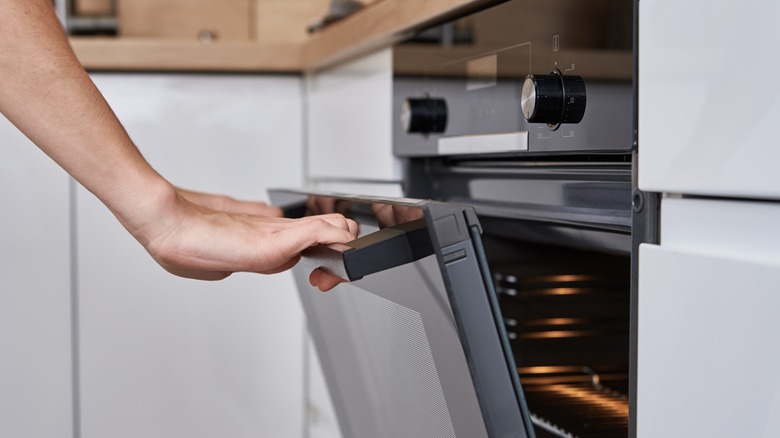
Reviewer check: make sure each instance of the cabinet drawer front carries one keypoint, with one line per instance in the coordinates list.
(226, 20)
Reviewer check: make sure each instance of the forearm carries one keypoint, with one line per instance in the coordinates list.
(46, 93)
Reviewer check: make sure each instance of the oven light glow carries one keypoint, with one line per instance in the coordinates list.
(549, 369)
(554, 321)
(562, 291)
(617, 406)
(558, 334)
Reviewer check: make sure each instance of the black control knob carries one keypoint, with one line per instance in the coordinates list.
(553, 99)
(424, 115)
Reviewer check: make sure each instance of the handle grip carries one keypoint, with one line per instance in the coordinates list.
(376, 252)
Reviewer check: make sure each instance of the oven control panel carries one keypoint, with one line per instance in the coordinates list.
(523, 76)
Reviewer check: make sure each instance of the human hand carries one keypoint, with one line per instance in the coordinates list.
(387, 215)
(315, 205)
(193, 241)
(228, 204)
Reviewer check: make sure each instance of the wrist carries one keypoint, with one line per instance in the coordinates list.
(146, 210)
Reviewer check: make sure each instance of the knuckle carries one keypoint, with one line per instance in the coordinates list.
(222, 203)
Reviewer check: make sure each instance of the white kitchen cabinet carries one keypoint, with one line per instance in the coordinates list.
(349, 121)
(708, 105)
(168, 357)
(709, 296)
(35, 292)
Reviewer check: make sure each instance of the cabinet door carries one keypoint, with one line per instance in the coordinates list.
(35, 292)
(709, 300)
(708, 106)
(168, 357)
(349, 125)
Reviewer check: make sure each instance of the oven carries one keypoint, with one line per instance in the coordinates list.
(499, 297)
(476, 317)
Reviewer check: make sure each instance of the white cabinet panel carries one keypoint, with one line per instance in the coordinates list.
(708, 350)
(168, 357)
(708, 106)
(35, 310)
(349, 132)
(709, 297)
(735, 229)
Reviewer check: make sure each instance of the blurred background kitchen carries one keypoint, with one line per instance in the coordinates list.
(238, 96)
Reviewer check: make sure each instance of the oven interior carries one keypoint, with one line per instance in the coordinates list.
(557, 233)
(566, 312)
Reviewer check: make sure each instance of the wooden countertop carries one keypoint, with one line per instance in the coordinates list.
(379, 24)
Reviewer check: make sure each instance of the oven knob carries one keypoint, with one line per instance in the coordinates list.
(553, 99)
(424, 115)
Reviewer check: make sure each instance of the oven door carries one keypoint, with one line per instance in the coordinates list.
(414, 345)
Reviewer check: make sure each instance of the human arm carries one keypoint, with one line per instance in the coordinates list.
(229, 204)
(46, 93)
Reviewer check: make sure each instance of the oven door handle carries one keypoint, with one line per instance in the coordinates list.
(376, 252)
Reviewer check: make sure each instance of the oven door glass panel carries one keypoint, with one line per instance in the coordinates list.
(417, 349)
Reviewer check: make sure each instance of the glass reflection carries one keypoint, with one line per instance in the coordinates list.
(374, 215)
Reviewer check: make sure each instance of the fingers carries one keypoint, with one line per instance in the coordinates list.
(384, 215)
(390, 215)
(324, 281)
(326, 229)
(352, 227)
(313, 230)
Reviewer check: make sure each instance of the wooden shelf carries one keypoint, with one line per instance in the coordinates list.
(141, 54)
(378, 25)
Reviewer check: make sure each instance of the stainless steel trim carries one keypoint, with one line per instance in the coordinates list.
(480, 144)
